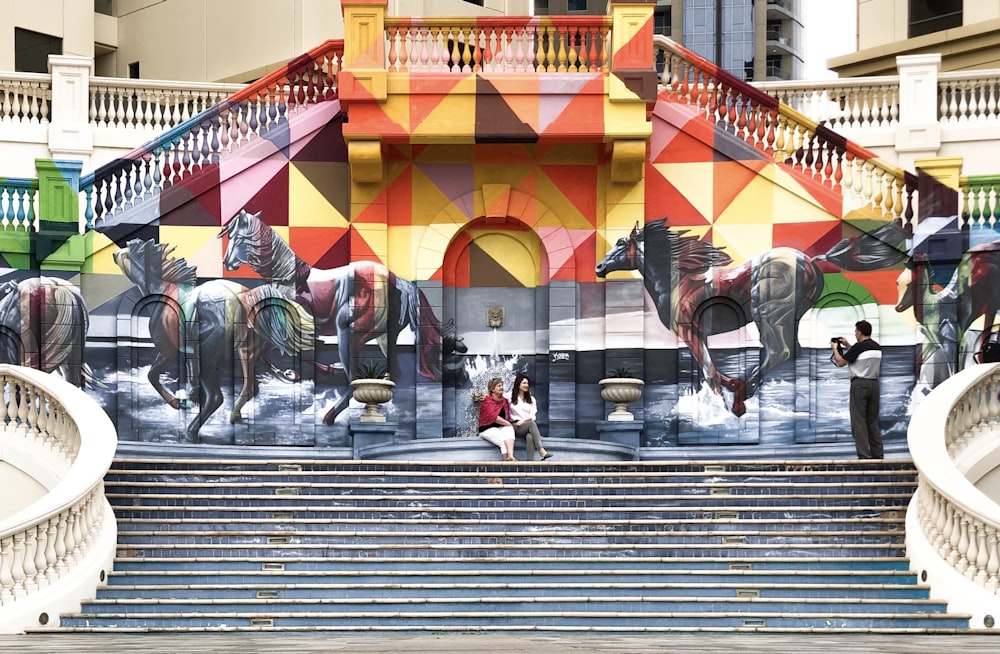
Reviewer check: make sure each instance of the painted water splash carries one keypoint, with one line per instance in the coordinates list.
(706, 408)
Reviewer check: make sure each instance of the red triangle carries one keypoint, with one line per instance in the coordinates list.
(811, 238)
(400, 194)
(337, 255)
(584, 109)
(374, 211)
(433, 90)
(578, 184)
(360, 250)
(311, 243)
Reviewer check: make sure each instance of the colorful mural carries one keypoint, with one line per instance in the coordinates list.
(478, 230)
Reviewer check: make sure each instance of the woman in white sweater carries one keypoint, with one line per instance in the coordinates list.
(523, 410)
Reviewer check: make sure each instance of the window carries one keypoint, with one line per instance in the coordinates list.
(928, 16)
(475, 2)
(133, 70)
(576, 5)
(661, 21)
(105, 7)
(32, 50)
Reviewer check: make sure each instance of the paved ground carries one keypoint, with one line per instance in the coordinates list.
(470, 644)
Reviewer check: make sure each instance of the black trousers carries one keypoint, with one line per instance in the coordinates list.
(864, 418)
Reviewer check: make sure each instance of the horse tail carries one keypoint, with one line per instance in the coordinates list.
(279, 321)
(428, 337)
(876, 250)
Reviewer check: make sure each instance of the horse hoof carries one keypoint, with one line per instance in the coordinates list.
(329, 418)
(235, 417)
(175, 403)
(739, 409)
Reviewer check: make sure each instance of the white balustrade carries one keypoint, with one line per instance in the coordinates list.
(155, 106)
(57, 550)
(953, 528)
(25, 98)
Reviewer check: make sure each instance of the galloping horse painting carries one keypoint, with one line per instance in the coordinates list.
(947, 312)
(45, 321)
(221, 316)
(684, 274)
(357, 302)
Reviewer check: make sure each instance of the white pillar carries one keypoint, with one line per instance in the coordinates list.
(70, 133)
(918, 134)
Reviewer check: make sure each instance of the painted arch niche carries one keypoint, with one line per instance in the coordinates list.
(495, 279)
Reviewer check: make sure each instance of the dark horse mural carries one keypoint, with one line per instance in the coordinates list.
(946, 312)
(45, 321)
(357, 302)
(221, 316)
(682, 274)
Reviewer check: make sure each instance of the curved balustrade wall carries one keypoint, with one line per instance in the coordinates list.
(54, 552)
(952, 528)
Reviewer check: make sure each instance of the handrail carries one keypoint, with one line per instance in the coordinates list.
(52, 550)
(199, 141)
(851, 103)
(18, 204)
(786, 135)
(959, 526)
(979, 198)
(539, 44)
(116, 103)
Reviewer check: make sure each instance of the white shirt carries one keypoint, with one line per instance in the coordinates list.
(523, 410)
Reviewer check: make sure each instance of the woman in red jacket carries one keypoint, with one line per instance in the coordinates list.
(494, 419)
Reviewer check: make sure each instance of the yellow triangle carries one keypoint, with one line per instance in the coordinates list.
(694, 181)
(307, 207)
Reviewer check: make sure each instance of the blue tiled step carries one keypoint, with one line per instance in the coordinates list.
(444, 537)
(834, 580)
(324, 565)
(550, 547)
(484, 589)
(637, 527)
(445, 606)
(618, 619)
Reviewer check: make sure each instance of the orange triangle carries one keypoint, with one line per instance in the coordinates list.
(432, 91)
(730, 178)
(400, 194)
(664, 200)
(360, 250)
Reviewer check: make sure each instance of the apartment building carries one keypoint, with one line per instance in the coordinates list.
(965, 32)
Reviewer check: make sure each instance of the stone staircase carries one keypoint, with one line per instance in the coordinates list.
(246, 545)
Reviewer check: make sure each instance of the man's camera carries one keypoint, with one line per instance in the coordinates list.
(834, 340)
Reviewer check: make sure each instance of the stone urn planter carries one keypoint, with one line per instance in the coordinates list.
(371, 393)
(621, 391)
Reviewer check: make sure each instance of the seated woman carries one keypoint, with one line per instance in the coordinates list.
(494, 419)
(523, 410)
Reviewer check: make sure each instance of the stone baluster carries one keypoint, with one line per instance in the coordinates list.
(17, 566)
(6, 570)
(30, 546)
(60, 545)
(51, 549)
(982, 557)
(41, 564)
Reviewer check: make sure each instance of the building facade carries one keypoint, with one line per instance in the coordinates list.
(966, 33)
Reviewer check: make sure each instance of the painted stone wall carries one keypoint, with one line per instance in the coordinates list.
(236, 306)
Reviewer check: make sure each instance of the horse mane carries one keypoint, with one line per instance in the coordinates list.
(267, 253)
(691, 255)
(151, 259)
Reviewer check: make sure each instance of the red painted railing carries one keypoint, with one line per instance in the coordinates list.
(186, 149)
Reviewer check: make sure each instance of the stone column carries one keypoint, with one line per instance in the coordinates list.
(918, 133)
(70, 132)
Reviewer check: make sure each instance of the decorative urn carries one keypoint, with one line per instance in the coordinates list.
(621, 388)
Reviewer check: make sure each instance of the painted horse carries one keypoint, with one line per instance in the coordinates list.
(357, 302)
(220, 315)
(46, 322)
(946, 313)
(682, 274)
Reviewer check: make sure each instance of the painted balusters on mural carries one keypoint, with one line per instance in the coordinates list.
(200, 140)
(18, 203)
(426, 45)
(980, 201)
(787, 136)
